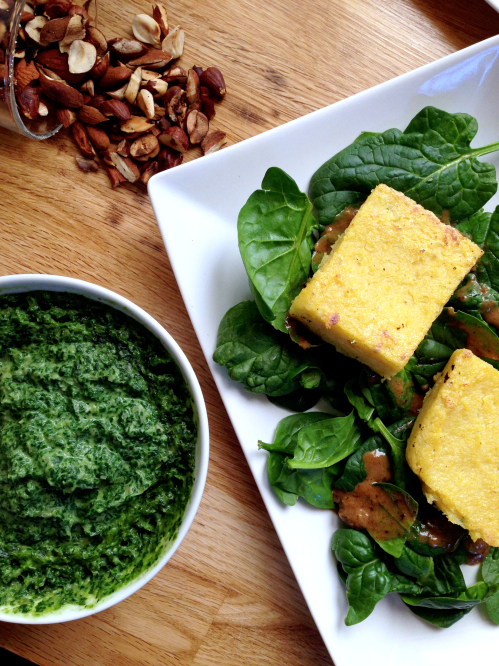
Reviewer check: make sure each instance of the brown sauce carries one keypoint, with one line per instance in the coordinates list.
(292, 326)
(404, 391)
(436, 531)
(332, 232)
(490, 312)
(476, 550)
(370, 507)
(475, 340)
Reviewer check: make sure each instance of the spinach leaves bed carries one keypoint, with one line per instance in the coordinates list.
(317, 456)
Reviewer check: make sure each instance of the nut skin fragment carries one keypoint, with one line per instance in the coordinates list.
(145, 102)
(146, 30)
(160, 15)
(115, 176)
(114, 107)
(197, 126)
(54, 31)
(66, 117)
(176, 74)
(115, 78)
(88, 88)
(175, 138)
(81, 137)
(96, 37)
(175, 105)
(101, 66)
(76, 10)
(58, 63)
(174, 42)
(153, 59)
(86, 164)
(213, 142)
(81, 57)
(29, 102)
(136, 124)
(123, 148)
(144, 145)
(24, 74)
(118, 94)
(150, 170)
(126, 167)
(75, 30)
(168, 158)
(61, 92)
(55, 9)
(98, 137)
(127, 49)
(213, 80)
(157, 88)
(34, 28)
(90, 115)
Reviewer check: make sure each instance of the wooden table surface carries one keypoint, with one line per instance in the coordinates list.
(228, 596)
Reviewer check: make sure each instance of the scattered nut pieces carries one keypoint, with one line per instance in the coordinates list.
(160, 15)
(146, 30)
(145, 102)
(86, 164)
(174, 42)
(129, 108)
(197, 126)
(81, 57)
(34, 28)
(213, 142)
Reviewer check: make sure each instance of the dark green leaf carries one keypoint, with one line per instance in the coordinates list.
(357, 399)
(404, 585)
(471, 597)
(313, 485)
(397, 447)
(431, 162)
(492, 606)
(286, 435)
(262, 359)
(440, 618)
(355, 471)
(368, 578)
(325, 443)
(275, 240)
(274, 469)
(395, 546)
(297, 401)
(490, 567)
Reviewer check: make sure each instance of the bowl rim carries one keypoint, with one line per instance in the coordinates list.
(10, 284)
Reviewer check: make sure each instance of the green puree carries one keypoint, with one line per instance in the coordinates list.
(96, 452)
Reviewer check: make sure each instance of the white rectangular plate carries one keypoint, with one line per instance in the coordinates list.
(196, 206)
(494, 3)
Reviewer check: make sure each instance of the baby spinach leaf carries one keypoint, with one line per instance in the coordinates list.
(368, 580)
(449, 575)
(470, 597)
(355, 471)
(358, 400)
(431, 161)
(324, 443)
(404, 585)
(476, 227)
(481, 338)
(492, 606)
(262, 359)
(313, 485)
(397, 447)
(297, 401)
(437, 575)
(286, 434)
(487, 270)
(490, 567)
(395, 546)
(275, 240)
(440, 618)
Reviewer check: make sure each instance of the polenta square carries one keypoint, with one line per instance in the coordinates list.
(454, 448)
(385, 282)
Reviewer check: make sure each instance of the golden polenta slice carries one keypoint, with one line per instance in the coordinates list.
(385, 282)
(454, 445)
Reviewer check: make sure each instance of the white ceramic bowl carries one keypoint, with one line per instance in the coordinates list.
(11, 284)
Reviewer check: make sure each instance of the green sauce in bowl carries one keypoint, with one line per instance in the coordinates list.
(97, 451)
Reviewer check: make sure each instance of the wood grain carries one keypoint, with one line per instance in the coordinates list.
(228, 595)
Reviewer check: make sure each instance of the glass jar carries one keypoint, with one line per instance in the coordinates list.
(10, 118)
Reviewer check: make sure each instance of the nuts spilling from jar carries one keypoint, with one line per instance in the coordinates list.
(132, 109)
